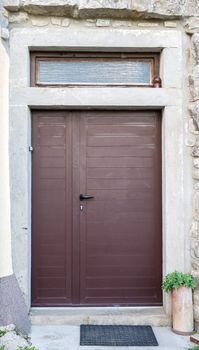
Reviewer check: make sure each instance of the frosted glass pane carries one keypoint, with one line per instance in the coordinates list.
(94, 72)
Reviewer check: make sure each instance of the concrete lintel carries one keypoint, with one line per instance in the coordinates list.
(103, 97)
(95, 39)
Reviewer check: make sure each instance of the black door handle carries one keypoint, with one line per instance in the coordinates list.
(83, 197)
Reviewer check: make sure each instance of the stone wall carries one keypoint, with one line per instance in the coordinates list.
(107, 8)
(194, 117)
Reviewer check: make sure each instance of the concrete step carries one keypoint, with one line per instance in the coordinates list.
(154, 316)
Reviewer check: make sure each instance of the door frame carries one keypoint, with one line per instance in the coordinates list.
(170, 99)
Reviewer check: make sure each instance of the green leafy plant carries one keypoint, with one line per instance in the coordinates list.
(177, 279)
(2, 332)
(26, 348)
(196, 347)
(2, 347)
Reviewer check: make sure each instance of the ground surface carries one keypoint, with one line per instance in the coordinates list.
(67, 338)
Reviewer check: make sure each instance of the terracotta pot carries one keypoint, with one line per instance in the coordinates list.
(182, 309)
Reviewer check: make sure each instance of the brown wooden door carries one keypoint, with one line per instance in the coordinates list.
(106, 250)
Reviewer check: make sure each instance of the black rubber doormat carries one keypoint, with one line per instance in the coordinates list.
(117, 335)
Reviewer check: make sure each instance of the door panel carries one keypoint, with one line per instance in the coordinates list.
(52, 212)
(108, 253)
(121, 227)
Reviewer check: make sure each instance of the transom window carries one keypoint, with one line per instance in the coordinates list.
(89, 68)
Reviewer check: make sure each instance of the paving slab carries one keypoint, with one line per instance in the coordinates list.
(68, 337)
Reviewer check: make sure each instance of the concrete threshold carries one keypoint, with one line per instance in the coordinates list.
(154, 316)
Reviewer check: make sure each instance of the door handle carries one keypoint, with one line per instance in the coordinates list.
(84, 197)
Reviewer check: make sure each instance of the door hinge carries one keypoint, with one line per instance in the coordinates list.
(30, 148)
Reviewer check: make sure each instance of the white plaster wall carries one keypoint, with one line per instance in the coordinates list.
(5, 233)
(171, 99)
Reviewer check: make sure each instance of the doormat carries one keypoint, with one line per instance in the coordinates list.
(117, 335)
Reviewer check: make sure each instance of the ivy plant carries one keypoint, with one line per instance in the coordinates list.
(2, 332)
(26, 348)
(177, 279)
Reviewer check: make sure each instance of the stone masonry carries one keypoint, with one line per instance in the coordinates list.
(194, 115)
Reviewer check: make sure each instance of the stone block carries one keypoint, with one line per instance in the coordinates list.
(196, 185)
(40, 21)
(170, 24)
(192, 25)
(194, 83)
(103, 23)
(108, 8)
(195, 250)
(194, 111)
(121, 23)
(196, 210)
(57, 21)
(196, 163)
(190, 140)
(90, 23)
(65, 22)
(195, 40)
(195, 152)
(13, 5)
(18, 17)
(192, 127)
(195, 267)
(148, 24)
(195, 174)
(194, 231)
(196, 296)
(4, 33)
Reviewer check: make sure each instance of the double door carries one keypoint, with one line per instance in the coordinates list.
(96, 208)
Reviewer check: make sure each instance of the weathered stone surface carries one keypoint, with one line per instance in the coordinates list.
(12, 305)
(194, 83)
(196, 297)
(195, 250)
(195, 40)
(170, 24)
(40, 21)
(57, 21)
(118, 23)
(196, 209)
(65, 22)
(103, 23)
(195, 229)
(195, 152)
(107, 8)
(194, 112)
(193, 128)
(11, 340)
(195, 174)
(47, 7)
(196, 163)
(12, 4)
(18, 17)
(148, 24)
(4, 33)
(192, 25)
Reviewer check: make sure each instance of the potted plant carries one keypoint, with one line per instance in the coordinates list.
(180, 285)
